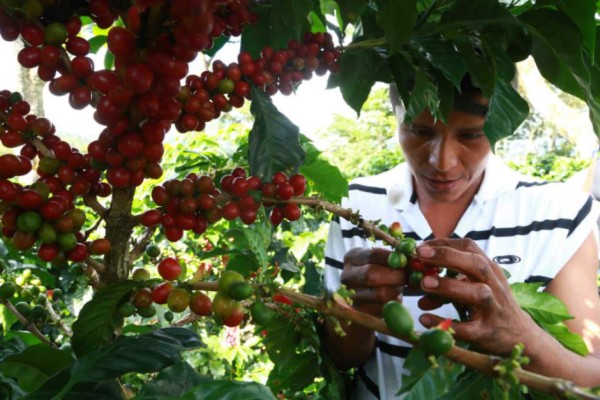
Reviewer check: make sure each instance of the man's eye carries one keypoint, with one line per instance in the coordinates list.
(471, 135)
(421, 132)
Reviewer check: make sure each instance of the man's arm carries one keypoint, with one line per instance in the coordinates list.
(496, 322)
(575, 285)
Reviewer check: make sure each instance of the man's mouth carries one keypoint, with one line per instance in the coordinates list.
(441, 183)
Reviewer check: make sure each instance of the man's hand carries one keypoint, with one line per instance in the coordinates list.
(496, 322)
(373, 281)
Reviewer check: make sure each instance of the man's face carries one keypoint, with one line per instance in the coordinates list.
(447, 161)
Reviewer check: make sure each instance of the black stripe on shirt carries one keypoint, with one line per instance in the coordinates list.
(392, 349)
(530, 184)
(360, 232)
(352, 232)
(585, 210)
(413, 197)
(535, 226)
(367, 189)
(336, 218)
(417, 292)
(334, 263)
(537, 278)
(369, 384)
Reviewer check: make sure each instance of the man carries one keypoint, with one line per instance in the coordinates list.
(474, 215)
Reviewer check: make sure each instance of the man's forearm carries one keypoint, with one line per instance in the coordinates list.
(550, 358)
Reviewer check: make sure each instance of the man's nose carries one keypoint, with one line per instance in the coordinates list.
(443, 156)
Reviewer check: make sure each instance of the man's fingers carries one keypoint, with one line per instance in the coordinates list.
(372, 275)
(474, 294)
(430, 302)
(378, 294)
(464, 331)
(476, 266)
(362, 256)
(466, 246)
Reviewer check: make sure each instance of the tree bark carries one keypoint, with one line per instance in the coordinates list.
(119, 229)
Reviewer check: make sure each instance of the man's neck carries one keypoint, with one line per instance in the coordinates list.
(443, 217)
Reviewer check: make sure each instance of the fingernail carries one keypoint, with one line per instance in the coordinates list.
(430, 281)
(425, 321)
(425, 251)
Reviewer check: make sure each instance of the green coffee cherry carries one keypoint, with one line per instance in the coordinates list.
(436, 341)
(397, 260)
(398, 318)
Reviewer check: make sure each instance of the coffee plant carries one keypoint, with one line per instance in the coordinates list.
(127, 261)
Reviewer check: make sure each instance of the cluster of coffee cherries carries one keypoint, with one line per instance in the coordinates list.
(44, 211)
(175, 294)
(171, 292)
(403, 256)
(29, 296)
(136, 100)
(194, 202)
(204, 97)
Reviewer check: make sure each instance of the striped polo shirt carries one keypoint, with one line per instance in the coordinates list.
(529, 228)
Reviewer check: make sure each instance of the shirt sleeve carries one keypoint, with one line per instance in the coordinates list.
(334, 256)
(578, 216)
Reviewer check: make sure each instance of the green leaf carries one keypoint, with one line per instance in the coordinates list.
(7, 319)
(443, 56)
(326, 178)
(476, 15)
(397, 18)
(427, 381)
(582, 13)
(146, 353)
(479, 65)
(351, 10)
(109, 389)
(9, 390)
(567, 338)
(558, 57)
(3, 249)
(258, 237)
(313, 284)
(135, 329)
(228, 390)
(35, 364)
(548, 312)
(175, 380)
(294, 375)
(281, 340)
(360, 68)
(289, 20)
(255, 35)
(27, 337)
(274, 143)
(424, 96)
(543, 307)
(94, 326)
(242, 262)
(404, 73)
(109, 60)
(507, 110)
(475, 385)
(317, 22)
(218, 44)
(97, 42)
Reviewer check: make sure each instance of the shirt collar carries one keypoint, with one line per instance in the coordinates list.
(497, 179)
(400, 191)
